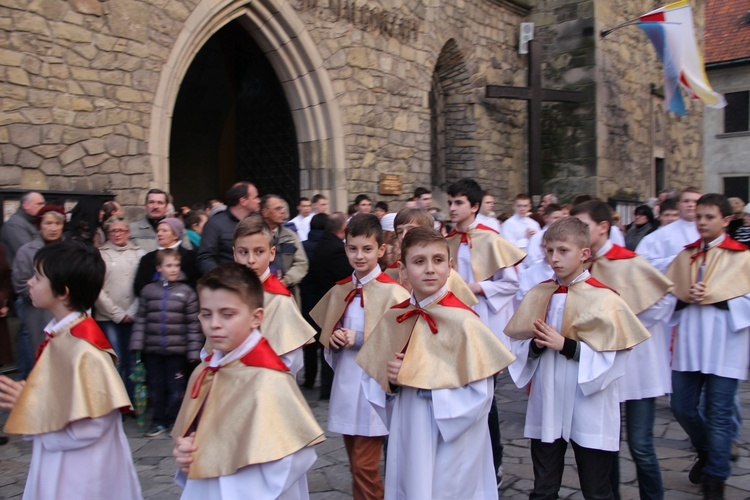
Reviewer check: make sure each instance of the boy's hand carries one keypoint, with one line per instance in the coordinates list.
(9, 391)
(476, 289)
(394, 367)
(697, 292)
(183, 452)
(342, 338)
(547, 336)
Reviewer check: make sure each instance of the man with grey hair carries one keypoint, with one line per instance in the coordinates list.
(548, 199)
(21, 227)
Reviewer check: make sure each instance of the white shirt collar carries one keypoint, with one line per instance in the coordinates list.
(175, 245)
(717, 241)
(220, 358)
(370, 276)
(264, 274)
(581, 277)
(55, 326)
(428, 300)
(604, 249)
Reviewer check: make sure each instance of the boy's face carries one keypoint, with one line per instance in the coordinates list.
(40, 291)
(364, 207)
(169, 269)
(553, 217)
(566, 259)
(363, 253)
(668, 216)
(598, 231)
(461, 211)
(488, 204)
(379, 213)
(226, 319)
(403, 229)
(522, 207)
(710, 223)
(254, 251)
(687, 205)
(427, 267)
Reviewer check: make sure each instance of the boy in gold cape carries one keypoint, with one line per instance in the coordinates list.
(70, 406)
(572, 336)
(243, 428)
(437, 359)
(712, 344)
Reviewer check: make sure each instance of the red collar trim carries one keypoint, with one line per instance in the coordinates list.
(89, 331)
(619, 253)
(393, 266)
(402, 305)
(272, 285)
(450, 300)
(262, 356)
(728, 244)
(594, 282)
(485, 228)
(346, 280)
(384, 278)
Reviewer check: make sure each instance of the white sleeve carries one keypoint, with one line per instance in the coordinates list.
(739, 312)
(377, 398)
(457, 410)
(597, 370)
(294, 360)
(523, 368)
(661, 311)
(76, 435)
(501, 288)
(651, 250)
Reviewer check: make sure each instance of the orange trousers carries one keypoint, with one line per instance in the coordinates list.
(364, 458)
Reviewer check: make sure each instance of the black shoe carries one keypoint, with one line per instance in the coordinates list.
(696, 473)
(156, 430)
(713, 488)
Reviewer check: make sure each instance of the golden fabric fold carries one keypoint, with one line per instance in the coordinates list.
(234, 432)
(463, 350)
(593, 314)
(71, 380)
(455, 284)
(379, 295)
(490, 252)
(637, 282)
(727, 274)
(283, 324)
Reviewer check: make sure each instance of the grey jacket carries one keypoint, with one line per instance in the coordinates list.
(117, 298)
(167, 321)
(19, 229)
(22, 270)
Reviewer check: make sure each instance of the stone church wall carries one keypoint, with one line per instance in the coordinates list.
(78, 80)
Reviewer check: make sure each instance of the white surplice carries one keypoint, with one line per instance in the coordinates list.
(536, 250)
(439, 443)
(662, 246)
(570, 399)
(515, 230)
(496, 305)
(349, 411)
(532, 276)
(284, 479)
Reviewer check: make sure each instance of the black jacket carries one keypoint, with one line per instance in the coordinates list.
(146, 272)
(329, 264)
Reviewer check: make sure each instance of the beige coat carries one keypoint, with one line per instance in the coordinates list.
(117, 298)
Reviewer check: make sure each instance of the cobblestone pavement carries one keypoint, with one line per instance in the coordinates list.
(329, 478)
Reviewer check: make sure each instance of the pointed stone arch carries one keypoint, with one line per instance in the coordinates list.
(276, 28)
(453, 149)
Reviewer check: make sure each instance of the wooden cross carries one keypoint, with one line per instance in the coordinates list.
(535, 95)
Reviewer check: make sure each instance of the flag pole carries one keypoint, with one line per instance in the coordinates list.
(604, 33)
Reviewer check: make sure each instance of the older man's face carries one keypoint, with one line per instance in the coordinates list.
(156, 205)
(33, 204)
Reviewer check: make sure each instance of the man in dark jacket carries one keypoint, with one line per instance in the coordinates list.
(21, 227)
(329, 265)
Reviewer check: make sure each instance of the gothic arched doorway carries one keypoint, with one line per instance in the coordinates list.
(232, 122)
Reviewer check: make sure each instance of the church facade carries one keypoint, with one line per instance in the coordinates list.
(331, 96)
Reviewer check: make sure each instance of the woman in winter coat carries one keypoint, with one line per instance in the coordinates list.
(117, 304)
(169, 234)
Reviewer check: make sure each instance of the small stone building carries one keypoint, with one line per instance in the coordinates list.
(307, 96)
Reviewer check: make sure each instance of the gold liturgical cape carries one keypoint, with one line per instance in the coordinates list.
(74, 378)
(726, 275)
(490, 252)
(593, 314)
(637, 282)
(283, 324)
(379, 294)
(456, 285)
(462, 351)
(252, 413)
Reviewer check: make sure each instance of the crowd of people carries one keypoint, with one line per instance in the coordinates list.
(230, 298)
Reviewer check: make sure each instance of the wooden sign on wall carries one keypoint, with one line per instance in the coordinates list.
(391, 184)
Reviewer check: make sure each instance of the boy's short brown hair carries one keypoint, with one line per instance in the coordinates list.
(365, 225)
(417, 216)
(250, 225)
(421, 236)
(234, 278)
(597, 210)
(164, 254)
(716, 200)
(571, 230)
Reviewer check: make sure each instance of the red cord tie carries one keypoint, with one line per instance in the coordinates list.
(421, 312)
(196, 390)
(464, 237)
